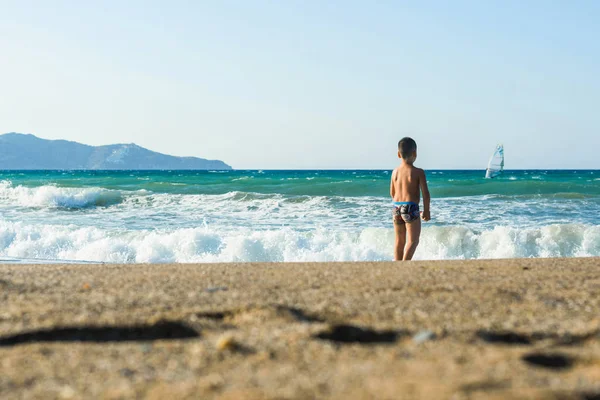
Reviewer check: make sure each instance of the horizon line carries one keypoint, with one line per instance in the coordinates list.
(292, 169)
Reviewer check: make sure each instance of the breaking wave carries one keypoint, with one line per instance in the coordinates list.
(50, 196)
(21, 241)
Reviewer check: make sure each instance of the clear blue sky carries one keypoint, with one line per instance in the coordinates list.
(310, 84)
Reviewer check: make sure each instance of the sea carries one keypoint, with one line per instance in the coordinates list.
(287, 216)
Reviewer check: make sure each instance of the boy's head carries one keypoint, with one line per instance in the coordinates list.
(407, 149)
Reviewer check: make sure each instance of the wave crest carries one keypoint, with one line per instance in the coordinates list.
(58, 197)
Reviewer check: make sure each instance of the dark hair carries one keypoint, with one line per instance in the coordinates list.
(406, 146)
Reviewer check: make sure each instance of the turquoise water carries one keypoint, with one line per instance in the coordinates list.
(318, 183)
(204, 216)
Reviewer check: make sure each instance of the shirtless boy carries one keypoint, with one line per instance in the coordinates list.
(407, 183)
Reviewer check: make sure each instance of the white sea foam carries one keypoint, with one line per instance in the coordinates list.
(21, 241)
(557, 240)
(57, 197)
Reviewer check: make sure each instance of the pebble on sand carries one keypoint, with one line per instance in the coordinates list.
(227, 342)
(423, 336)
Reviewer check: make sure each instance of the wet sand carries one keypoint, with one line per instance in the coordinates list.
(502, 329)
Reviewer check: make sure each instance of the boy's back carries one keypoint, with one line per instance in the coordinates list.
(406, 180)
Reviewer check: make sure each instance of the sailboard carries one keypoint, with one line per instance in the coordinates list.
(496, 164)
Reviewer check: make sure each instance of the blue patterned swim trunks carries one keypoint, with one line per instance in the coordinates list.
(405, 212)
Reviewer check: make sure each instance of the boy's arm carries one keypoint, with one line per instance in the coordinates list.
(426, 196)
(392, 187)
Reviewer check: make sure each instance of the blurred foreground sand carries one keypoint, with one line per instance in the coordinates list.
(502, 329)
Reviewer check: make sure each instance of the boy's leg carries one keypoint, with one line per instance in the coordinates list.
(413, 232)
(400, 230)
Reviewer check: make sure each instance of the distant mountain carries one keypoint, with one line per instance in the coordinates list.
(19, 151)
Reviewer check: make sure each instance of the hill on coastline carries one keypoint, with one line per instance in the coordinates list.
(29, 152)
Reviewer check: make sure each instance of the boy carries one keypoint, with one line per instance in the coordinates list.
(407, 181)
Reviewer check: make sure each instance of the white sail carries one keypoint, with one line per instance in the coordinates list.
(496, 164)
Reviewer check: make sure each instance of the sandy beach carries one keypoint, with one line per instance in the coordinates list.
(502, 329)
